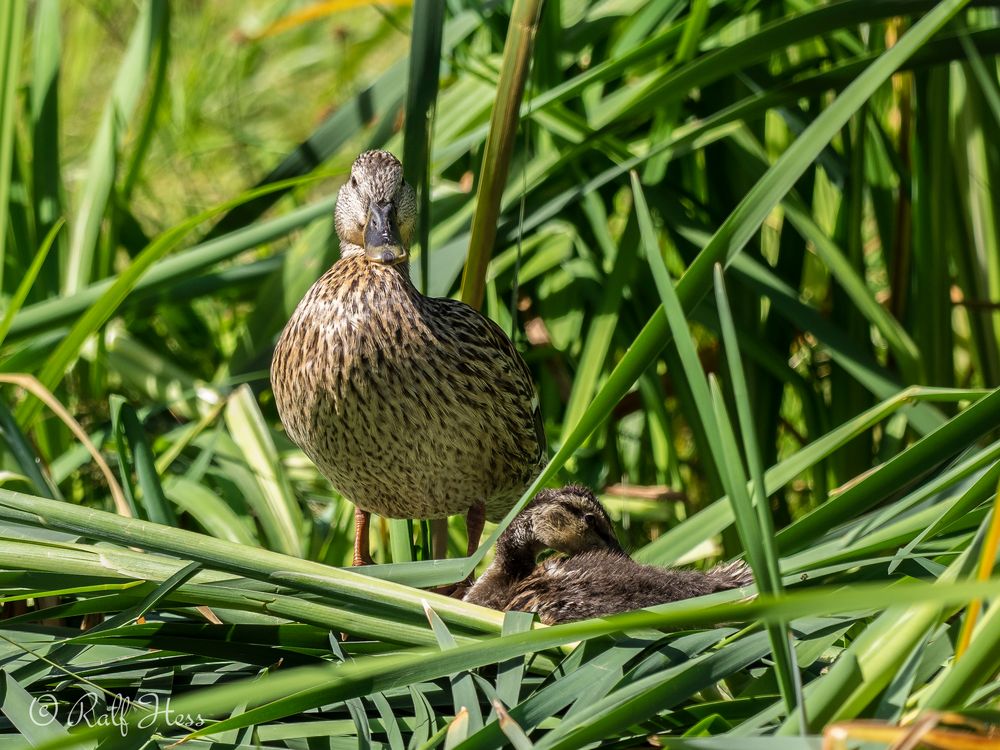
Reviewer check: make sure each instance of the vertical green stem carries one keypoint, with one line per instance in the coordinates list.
(499, 145)
(12, 21)
(421, 99)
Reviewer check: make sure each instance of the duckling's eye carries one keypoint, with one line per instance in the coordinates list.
(591, 520)
(354, 181)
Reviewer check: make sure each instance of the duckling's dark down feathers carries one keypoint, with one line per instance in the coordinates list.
(603, 582)
(597, 577)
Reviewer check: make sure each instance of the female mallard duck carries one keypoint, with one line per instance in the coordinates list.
(412, 407)
(598, 578)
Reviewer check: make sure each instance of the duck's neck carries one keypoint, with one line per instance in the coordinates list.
(355, 255)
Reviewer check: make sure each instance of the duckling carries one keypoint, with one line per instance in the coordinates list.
(412, 407)
(569, 520)
(597, 578)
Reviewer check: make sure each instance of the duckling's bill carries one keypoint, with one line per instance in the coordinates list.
(382, 241)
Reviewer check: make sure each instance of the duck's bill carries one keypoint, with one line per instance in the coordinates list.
(382, 241)
(387, 255)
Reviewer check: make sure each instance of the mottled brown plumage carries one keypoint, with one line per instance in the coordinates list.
(597, 578)
(412, 407)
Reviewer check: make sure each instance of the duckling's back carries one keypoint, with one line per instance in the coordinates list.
(600, 583)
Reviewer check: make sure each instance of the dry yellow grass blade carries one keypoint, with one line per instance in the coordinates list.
(32, 385)
(983, 573)
(926, 731)
(314, 11)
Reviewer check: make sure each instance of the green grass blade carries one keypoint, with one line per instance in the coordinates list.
(736, 231)
(289, 692)
(31, 717)
(12, 22)
(104, 155)
(167, 273)
(463, 687)
(743, 511)
(421, 99)
(499, 146)
(25, 455)
(401, 540)
(694, 376)
(278, 511)
(771, 580)
(393, 731)
(47, 188)
(934, 225)
(129, 434)
(785, 667)
(963, 430)
(118, 405)
(606, 317)
(210, 511)
(516, 736)
(220, 555)
(147, 127)
(722, 441)
(28, 280)
(112, 297)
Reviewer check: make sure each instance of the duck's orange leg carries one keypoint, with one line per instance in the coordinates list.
(362, 548)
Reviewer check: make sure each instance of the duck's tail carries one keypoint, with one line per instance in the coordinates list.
(732, 575)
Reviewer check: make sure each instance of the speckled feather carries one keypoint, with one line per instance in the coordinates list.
(412, 407)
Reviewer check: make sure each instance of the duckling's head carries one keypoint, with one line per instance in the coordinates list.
(571, 520)
(376, 210)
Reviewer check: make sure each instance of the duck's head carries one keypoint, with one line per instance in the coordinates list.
(376, 210)
(571, 520)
